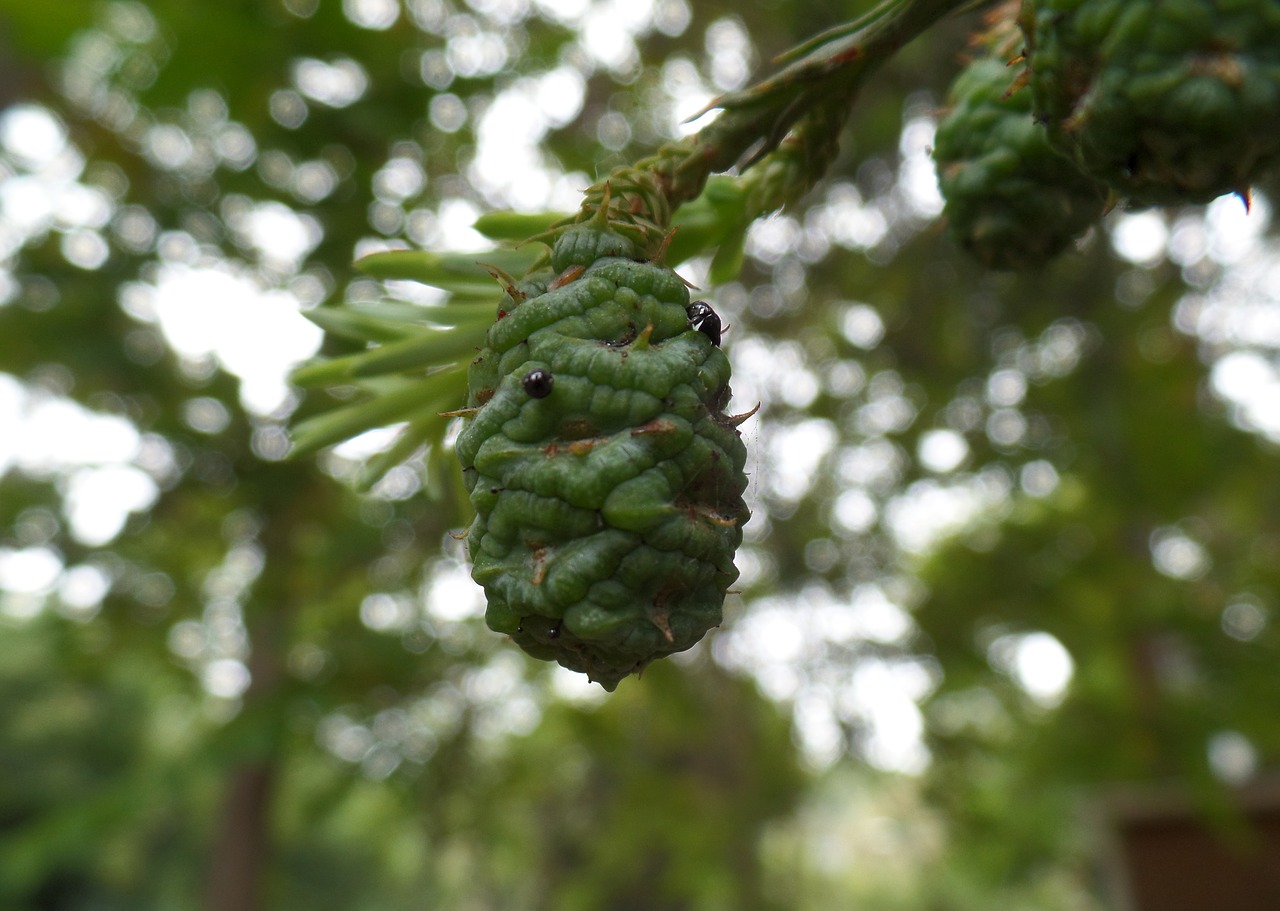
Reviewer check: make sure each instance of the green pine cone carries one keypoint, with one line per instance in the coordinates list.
(1168, 102)
(606, 477)
(1012, 199)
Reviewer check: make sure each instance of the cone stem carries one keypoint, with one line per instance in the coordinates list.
(806, 103)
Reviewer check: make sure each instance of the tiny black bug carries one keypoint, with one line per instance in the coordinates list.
(705, 320)
(538, 383)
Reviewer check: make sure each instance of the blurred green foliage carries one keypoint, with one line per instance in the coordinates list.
(283, 696)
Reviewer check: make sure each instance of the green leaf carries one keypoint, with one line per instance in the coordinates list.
(704, 223)
(430, 348)
(426, 428)
(727, 262)
(362, 326)
(390, 321)
(459, 272)
(516, 226)
(391, 402)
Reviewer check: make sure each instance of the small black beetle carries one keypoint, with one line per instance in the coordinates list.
(705, 320)
(538, 383)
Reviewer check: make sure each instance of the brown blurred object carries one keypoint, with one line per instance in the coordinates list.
(1167, 855)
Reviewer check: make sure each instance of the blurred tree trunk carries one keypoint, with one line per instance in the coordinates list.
(239, 858)
(241, 852)
(18, 80)
(289, 504)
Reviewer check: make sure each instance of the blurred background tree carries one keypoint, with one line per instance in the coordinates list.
(1015, 537)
